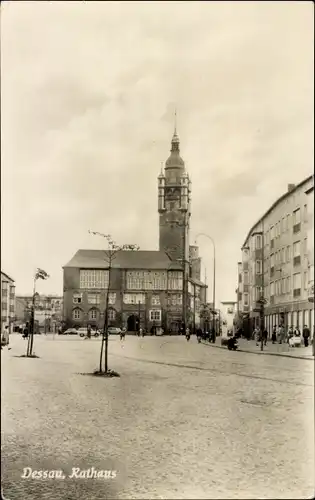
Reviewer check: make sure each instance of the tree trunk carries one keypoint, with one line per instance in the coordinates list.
(106, 319)
(105, 328)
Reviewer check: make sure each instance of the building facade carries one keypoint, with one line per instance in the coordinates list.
(147, 288)
(7, 303)
(275, 266)
(48, 310)
(310, 249)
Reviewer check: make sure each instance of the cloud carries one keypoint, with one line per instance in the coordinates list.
(88, 97)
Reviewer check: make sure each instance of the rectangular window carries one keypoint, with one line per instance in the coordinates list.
(155, 300)
(258, 266)
(297, 249)
(93, 314)
(296, 217)
(94, 278)
(305, 213)
(283, 256)
(272, 288)
(297, 281)
(94, 298)
(112, 298)
(245, 295)
(155, 315)
(305, 280)
(272, 232)
(77, 298)
(283, 224)
(246, 280)
(288, 222)
(283, 288)
(175, 280)
(288, 253)
(134, 298)
(76, 314)
(288, 284)
(258, 242)
(272, 260)
(305, 246)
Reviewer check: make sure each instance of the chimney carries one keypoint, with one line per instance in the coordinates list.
(291, 187)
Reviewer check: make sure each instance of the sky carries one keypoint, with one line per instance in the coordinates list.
(88, 92)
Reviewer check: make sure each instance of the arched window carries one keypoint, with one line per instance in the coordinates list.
(111, 314)
(76, 313)
(93, 314)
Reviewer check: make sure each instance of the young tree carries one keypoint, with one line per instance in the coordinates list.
(40, 274)
(109, 256)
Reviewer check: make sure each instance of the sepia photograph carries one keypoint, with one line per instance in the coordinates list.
(157, 250)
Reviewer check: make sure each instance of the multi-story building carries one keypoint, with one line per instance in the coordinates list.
(310, 249)
(147, 288)
(7, 303)
(48, 310)
(275, 262)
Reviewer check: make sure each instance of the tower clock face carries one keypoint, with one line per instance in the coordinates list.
(172, 193)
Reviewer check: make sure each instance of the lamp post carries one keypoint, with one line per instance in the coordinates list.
(214, 273)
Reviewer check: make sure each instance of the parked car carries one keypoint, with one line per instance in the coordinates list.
(114, 330)
(83, 332)
(69, 331)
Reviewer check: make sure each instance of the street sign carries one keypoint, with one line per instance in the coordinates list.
(256, 309)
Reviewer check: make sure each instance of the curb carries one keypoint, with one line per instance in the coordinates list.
(283, 355)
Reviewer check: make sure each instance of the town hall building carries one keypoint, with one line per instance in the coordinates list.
(147, 288)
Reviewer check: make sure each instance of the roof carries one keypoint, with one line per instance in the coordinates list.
(277, 202)
(197, 282)
(125, 259)
(7, 276)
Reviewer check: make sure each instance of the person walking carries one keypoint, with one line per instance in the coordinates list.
(306, 335)
(274, 334)
(199, 335)
(265, 336)
(89, 331)
(187, 334)
(257, 335)
(281, 334)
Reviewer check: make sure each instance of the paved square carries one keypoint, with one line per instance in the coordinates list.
(183, 421)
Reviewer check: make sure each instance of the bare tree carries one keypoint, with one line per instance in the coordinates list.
(40, 274)
(109, 256)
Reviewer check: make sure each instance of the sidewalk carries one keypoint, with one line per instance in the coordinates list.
(270, 349)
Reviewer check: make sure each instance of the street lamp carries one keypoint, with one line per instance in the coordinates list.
(214, 270)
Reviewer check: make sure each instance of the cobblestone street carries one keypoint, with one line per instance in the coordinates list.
(183, 421)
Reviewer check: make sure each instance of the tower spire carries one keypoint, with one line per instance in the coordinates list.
(175, 121)
(175, 139)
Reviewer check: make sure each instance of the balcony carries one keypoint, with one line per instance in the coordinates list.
(297, 260)
(297, 292)
(296, 228)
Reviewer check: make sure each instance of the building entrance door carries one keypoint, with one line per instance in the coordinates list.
(133, 323)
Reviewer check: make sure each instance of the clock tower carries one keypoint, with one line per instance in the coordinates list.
(174, 205)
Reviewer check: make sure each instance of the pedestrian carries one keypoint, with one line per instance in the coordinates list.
(274, 334)
(25, 333)
(187, 334)
(257, 335)
(89, 331)
(122, 334)
(281, 333)
(265, 336)
(306, 335)
(199, 335)
(140, 332)
(297, 332)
